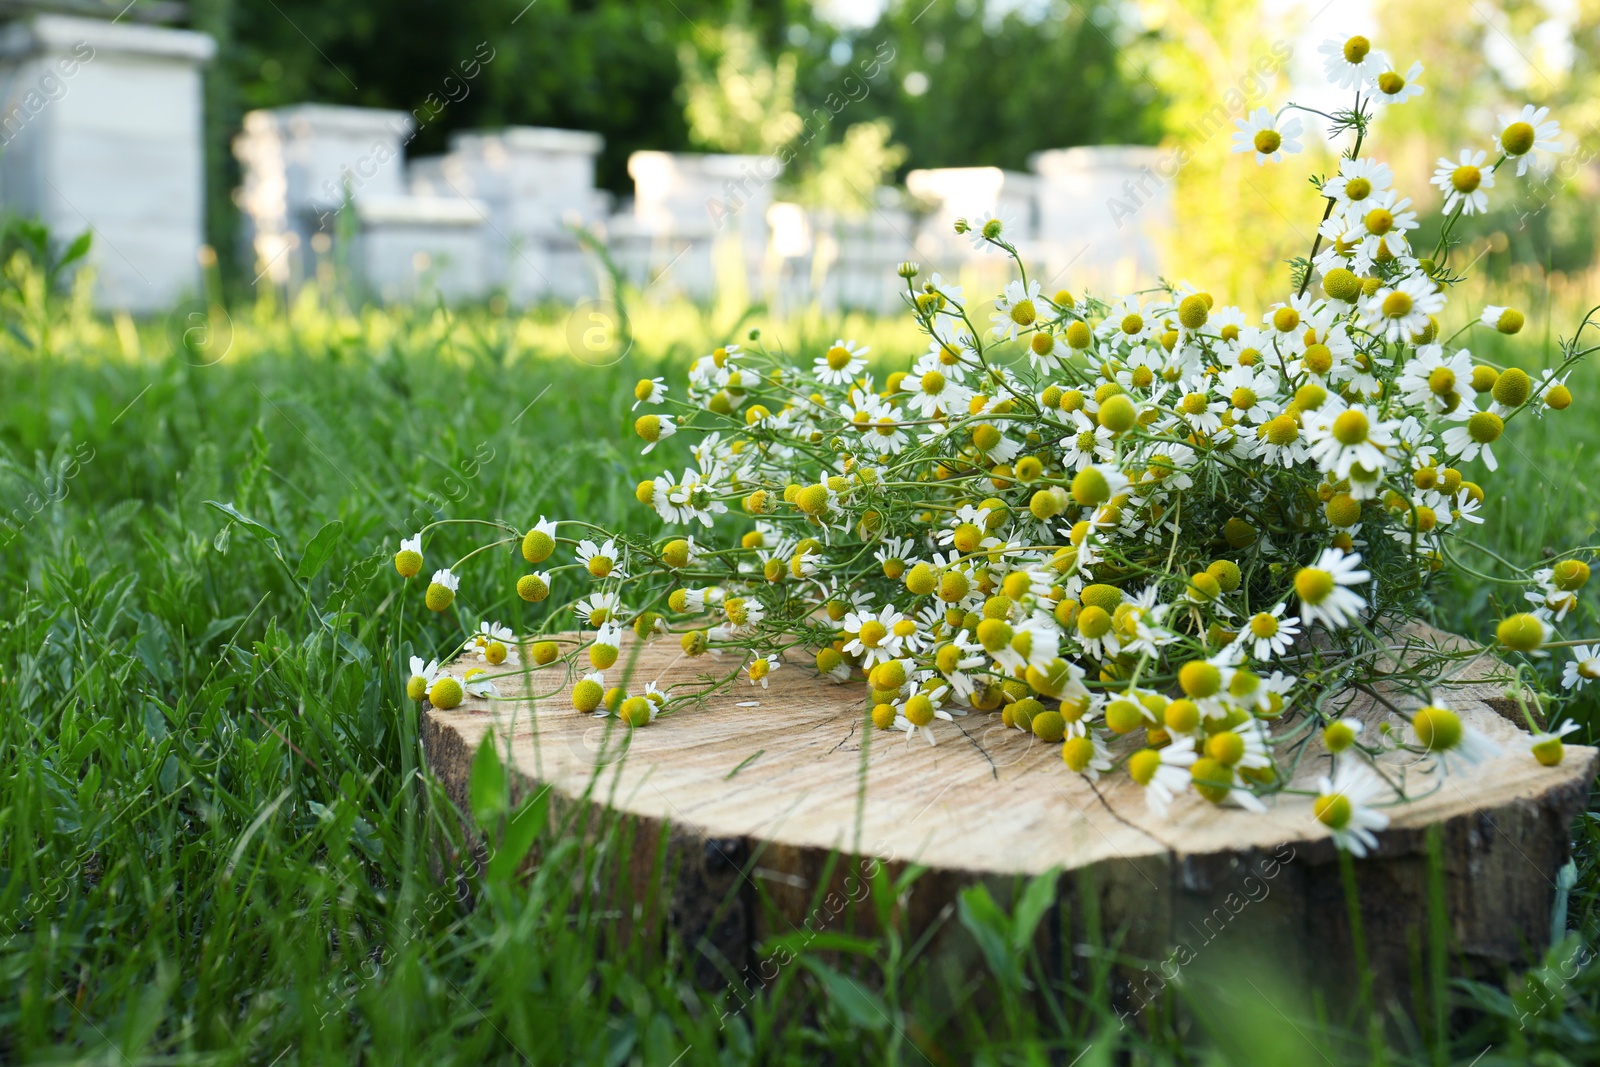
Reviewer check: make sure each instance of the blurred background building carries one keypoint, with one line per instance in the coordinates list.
(782, 153)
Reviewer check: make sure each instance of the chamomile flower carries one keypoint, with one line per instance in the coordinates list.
(987, 229)
(1326, 589)
(1526, 131)
(742, 615)
(1088, 755)
(761, 668)
(1551, 603)
(1399, 312)
(1035, 642)
(1343, 805)
(1017, 309)
(1357, 184)
(1471, 438)
(1269, 633)
(1250, 392)
(1438, 730)
(1266, 136)
(1546, 746)
(935, 389)
(1375, 229)
(423, 676)
(476, 684)
(1581, 669)
(588, 693)
(607, 644)
(1351, 61)
(920, 709)
(993, 445)
(653, 429)
(1392, 87)
(1090, 444)
(1465, 182)
(1439, 384)
(1341, 440)
(1502, 319)
(1163, 773)
(598, 608)
(442, 589)
(491, 641)
(649, 391)
(872, 635)
(600, 560)
(841, 363)
(408, 561)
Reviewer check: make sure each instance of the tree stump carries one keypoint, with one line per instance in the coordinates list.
(765, 794)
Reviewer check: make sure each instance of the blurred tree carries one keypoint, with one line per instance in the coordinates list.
(604, 65)
(989, 82)
(847, 171)
(735, 98)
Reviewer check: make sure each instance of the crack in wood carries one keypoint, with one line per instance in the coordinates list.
(994, 771)
(846, 740)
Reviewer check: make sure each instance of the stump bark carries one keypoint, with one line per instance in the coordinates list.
(775, 802)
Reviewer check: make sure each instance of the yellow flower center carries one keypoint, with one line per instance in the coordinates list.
(1132, 324)
(838, 357)
(1263, 625)
(1517, 138)
(1244, 399)
(1143, 764)
(1285, 319)
(1350, 428)
(1442, 381)
(1333, 811)
(1397, 305)
(1390, 83)
(1465, 179)
(933, 383)
(1379, 221)
(1357, 189)
(1199, 679)
(1356, 49)
(872, 633)
(1439, 729)
(1022, 313)
(1485, 427)
(1282, 430)
(1268, 141)
(1313, 584)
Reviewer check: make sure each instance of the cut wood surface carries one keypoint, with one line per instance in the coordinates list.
(788, 774)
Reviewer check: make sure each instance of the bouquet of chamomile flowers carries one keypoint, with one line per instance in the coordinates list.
(1155, 530)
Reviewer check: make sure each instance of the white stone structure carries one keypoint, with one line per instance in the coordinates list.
(340, 171)
(699, 223)
(415, 246)
(972, 192)
(499, 213)
(537, 185)
(101, 124)
(1102, 211)
(844, 262)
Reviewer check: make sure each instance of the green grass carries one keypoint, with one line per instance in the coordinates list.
(216, 844)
